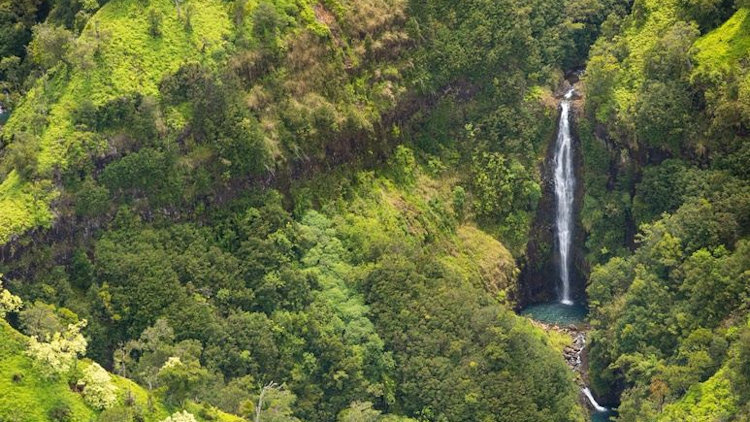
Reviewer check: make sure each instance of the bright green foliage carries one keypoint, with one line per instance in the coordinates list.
(723, 47)
(31, 396)
(501, 186)
(181, 378)
(125, 59)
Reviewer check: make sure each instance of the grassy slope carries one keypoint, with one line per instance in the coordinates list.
(712, 400)
(377, 209)
(725, 46)
(130, 61)
(31, 398)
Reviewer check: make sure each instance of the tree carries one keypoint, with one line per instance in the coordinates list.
(662, 113)
(266, 21)
(154, 22)
(42, 321)
(181, 379)
(275, 404)
(60, 354)
(502, 185)
(363, 412)
(154, 347)
(359, 412)
(404, 165)
(98, 390)
(23, 154)
(50, 45)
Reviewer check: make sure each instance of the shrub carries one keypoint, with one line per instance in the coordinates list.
(22, 154)
(119, 414)
(60, 412)
(404, 165)
(50, 45)
(154, 22)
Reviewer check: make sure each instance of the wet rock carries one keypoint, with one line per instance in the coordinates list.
(563, 89)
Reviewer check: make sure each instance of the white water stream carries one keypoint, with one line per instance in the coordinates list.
(597, 406)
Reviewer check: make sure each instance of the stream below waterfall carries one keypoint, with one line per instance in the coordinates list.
(4, 115)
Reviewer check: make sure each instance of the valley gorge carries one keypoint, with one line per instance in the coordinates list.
(374, 211)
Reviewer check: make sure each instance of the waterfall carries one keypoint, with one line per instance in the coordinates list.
(597, 406)
(564, 194)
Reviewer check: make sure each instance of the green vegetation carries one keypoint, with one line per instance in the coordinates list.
(666, 208)
(725, 46)
(313, 211)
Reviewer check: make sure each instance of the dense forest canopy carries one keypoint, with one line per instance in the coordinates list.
(295, 210)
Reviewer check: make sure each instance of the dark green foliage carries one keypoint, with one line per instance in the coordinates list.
(661, 112)
(662, 189)
(92, 200)
(60, 412)
(441, 374)
(16, 20)
(147, 173)
(154, 22)
(267, 22)
(220, 120)
(22, 154)
(707, 13)
(135, 115)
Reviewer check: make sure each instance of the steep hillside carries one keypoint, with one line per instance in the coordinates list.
(114, 56)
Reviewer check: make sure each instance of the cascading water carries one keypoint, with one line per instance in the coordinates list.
(564, 194)
(597, 406)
